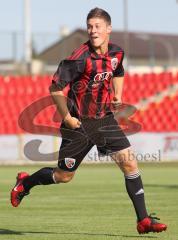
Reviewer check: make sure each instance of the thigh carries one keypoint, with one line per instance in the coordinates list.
(114, 138)
(74, 147)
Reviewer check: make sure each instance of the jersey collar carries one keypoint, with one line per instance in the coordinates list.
(94, 54)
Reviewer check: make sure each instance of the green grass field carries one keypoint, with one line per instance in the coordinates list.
(93, 206)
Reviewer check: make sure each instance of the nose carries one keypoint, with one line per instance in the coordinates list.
(93, 30)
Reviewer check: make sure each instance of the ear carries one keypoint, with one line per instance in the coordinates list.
(109, 29)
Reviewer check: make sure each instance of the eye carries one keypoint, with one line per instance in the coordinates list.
(89, 27)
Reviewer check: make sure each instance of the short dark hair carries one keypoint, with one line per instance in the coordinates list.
(99, 13)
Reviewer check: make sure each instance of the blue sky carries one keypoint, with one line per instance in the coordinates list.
(49, 15)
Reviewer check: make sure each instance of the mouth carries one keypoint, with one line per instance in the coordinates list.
(93, 37)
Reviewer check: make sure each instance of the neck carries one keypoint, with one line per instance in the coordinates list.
(102, 49)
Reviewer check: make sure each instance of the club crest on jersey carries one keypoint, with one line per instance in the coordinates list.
(114, 63)
(70, 162)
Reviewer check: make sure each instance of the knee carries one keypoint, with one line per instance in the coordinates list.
(129, 166)
(63, 177)
(126, 160)
(66, 178)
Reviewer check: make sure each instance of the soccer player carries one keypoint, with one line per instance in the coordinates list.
(92, 72)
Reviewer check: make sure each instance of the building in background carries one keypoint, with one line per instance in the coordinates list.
(145, 49)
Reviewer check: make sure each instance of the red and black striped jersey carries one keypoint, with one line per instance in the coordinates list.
(89, 76)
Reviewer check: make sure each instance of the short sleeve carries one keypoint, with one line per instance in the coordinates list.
(68, 71)
(119, 71)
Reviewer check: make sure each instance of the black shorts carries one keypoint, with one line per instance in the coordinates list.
(104, 133)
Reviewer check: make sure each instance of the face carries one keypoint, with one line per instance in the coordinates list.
(98, 31)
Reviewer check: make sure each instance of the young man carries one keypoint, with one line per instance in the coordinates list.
(91, 72)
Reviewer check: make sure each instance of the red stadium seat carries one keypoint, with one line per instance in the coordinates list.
(16, 93)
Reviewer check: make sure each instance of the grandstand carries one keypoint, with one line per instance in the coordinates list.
(156, 98)
(155, 95)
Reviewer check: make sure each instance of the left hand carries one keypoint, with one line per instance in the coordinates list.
(116, 102)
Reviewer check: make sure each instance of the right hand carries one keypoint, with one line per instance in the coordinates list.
(72, 123)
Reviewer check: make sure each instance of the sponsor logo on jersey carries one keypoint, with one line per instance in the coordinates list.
(70, 162)
(114, 63)
(101, 77)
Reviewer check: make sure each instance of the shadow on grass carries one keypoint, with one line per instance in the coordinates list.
(161, 186)
(109, 235)
(12, 232)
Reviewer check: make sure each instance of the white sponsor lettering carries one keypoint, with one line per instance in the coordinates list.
(101, 77)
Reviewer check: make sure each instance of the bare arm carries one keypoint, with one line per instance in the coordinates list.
(118, 87)
(61, 103)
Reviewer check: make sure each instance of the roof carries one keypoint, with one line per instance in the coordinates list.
(137, 45)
